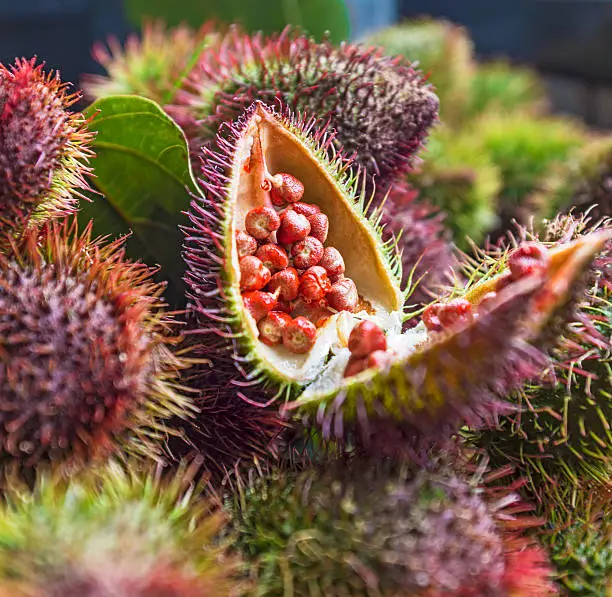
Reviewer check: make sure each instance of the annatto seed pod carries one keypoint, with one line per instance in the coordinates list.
(43, 147)
(114, 533)
(380, 107)
(560, 435)
(436, 379)
(366, 528)
(151, 66)
(86, 369)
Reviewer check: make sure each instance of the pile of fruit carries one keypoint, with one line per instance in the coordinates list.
(287, 381)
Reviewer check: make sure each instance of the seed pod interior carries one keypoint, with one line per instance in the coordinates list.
(266, 148)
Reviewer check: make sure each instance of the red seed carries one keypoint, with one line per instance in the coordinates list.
(271, 327)
(254, 275)
(332, 261)
(259, 303)
(306, 209)
(528, 259)
(299, 335)
(293, 228)
(319, 227)
(245, 244)
(455, 312)
(288, 283)
(379, 359)
(284, 188)
(355, 366)
(314, 284)
(273, 257)
(430, 318)
(343, 295)
(307, 252)
(261, 222)
(365, 338)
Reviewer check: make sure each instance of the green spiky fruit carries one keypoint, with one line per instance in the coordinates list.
(501, 87)
(113, 533)
(380, 108)
(582, 183)
(43, 147)
(370, 529)
(524, 148)
(430, 379)
(443, 51)
(152, 65)
(459, 177)
(86, 369)
(560, 436)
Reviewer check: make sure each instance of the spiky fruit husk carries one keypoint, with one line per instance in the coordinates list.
(114, 532)
(422, 239)
(152, 65)
(372, 528)
(86, 369)
(380, 108)
(560, 436)
(461, 179)
(502, 87)
(224, 333)
(442, 50)
(583, 183)
(524, 148)
(44, 147)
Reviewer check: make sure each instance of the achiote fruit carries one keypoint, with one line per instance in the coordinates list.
(43, 147)
(372, 529)
(434, 379)
(380, 108)
(85, 364)
(113, 533)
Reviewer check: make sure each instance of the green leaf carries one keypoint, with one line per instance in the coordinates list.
(315, 16)
(142, 169)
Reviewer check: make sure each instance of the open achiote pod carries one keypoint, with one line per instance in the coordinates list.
(313, 313)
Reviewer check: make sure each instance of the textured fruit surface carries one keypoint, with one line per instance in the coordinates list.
(262, 144)
(114, 533)
(151, 66)
(373, 529)
(85, 364)
(43, 146)
(380, 107)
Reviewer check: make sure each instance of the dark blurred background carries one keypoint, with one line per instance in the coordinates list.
(568, 41)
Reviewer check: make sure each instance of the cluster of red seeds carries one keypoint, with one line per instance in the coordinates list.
(528, 259)
(368, 346)
(284, 267)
